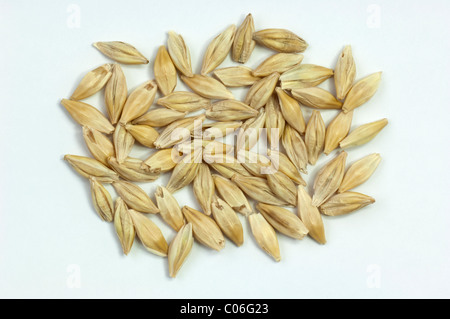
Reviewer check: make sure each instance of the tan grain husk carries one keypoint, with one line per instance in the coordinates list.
(236, 76)
(184, 172)
(225, 164)
(345, 72)
(258, 189)
(232, 194)
(316, 97)
(274, 121)
(88, 167)
(220, 129)
(159, 117)
(329, 179)
(283, 220)
(230, 110)
(280, 40)
(135, 197)
(359, 172)
(244, 44)
(178, 131)
(361, 92)
(282, 186)
(162, 160)
(363, 134)
(149, 234)
(337, 130)
(87, 115)
(123, 142)
(281, 162)
(144, 134)
(260, 92)
(291, 111)
(183, 101)
(116, 92)
(315, 137)
(121, 52)
(124, 225)
(164, 71)
(134, 169)
(218, 50)
(345, 203)
(280, 62)
(205, 229)
(228, 221)
(179, 53)
(249, 132)
(213, 147)
(203, 186)
(295, 148)
(257, 164)
(226, 169)
(102, 200)
(98, 144)
(92, 82)
(304, 75)
(139, 101)
(265, 235)
(207, 87)
(169, 209)
(310, 216)
(179, 249)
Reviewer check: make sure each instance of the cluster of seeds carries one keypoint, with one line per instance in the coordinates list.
(226, 179)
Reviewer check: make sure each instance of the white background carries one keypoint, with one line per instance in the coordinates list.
(50, 234)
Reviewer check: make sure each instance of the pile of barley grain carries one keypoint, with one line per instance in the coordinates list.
(278, 89)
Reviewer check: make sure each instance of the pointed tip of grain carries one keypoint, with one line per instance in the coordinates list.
(319, 236)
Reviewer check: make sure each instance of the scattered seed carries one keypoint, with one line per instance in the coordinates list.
(121, 52)
(345, 73)
(310, 216)
(363, 134)
(244, 44)
(149, 234)
(205, 229)
(265, 235)
(179, 249)
(345, 203)
(280, 40)
(124, 225)
(283, 220)
(165, 72)
(359, 172)
(92, 82)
